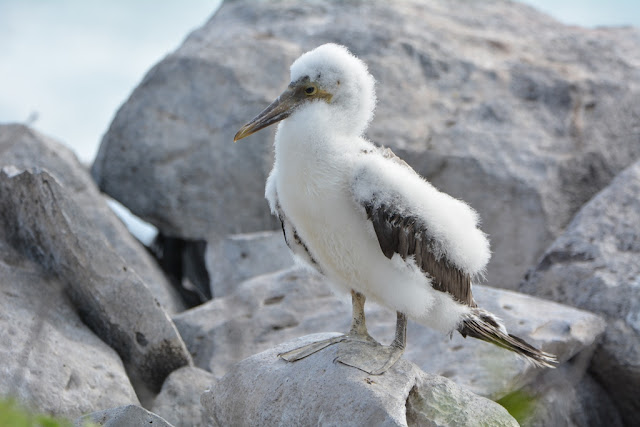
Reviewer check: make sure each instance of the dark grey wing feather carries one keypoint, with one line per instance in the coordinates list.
(408, 237)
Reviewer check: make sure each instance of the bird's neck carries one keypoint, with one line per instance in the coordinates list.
(316, 135)
(313, 162)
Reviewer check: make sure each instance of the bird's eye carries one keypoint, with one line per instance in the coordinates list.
(311, 90)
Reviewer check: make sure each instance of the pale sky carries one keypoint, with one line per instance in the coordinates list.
(591, 13)
(67, 65)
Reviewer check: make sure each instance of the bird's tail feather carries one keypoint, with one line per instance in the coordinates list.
(485, 326)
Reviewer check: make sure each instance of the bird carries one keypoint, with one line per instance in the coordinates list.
(362, 217)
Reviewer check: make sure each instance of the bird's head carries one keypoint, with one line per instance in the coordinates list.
(329, 74)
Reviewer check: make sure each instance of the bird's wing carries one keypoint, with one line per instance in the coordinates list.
(400, 232)
(294, 242)
(291, 236)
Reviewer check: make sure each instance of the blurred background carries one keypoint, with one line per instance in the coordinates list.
(66, 66)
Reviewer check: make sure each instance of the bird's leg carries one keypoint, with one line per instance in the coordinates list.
(396, 349)
(400, 340)
(358, 348)
(358, 332)
(358, 322)
(371, 357)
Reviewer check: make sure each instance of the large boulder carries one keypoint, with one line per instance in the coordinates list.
(239, 257)
(270, 309)
(495, 103)
(566, 401)
(179, 399)
(50, 361)
(266, 390)
(25, 148)
(42, 222)
(595, 265)
(123, 416)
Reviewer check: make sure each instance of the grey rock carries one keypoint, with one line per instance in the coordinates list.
(42, 222)
(495, 103)
(266, 390)
(124, 416)
(562, 397)
(50, 361)
(238, 257)
(595, 265)
(277, 307)
(596, 406)
(179, 399)
(25, 148)
(573, 405)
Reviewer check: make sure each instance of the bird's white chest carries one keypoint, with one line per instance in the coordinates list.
(310, 189)
(313, 186)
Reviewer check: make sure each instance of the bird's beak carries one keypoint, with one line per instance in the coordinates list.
(279, 109)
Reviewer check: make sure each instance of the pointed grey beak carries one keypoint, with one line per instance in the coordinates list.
(279, 109)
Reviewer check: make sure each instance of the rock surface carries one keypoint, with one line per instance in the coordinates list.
(266, 390)
(595, 265)
(179, 399)
(25, 148)
(490, 99)
(43, 223)
(49, 360)
(567, 402)
(273, 308)
(239, 257)
(125, 416)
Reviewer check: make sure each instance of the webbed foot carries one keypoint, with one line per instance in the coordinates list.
(370, 357)
(307, 350)
(361, 352)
